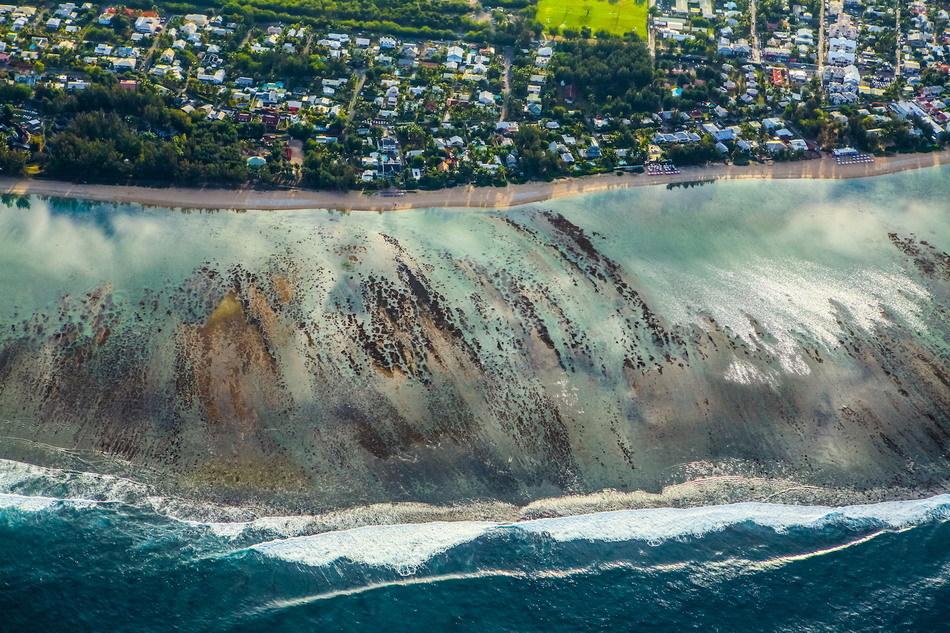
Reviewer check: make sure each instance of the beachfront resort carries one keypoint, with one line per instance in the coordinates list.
(505, 93)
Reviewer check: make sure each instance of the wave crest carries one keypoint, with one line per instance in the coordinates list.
(401, 547)
(384, 535)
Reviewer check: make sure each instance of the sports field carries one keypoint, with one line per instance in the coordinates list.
(614, 16)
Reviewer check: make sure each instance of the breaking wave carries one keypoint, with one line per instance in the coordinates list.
(285, 573)
(323, 540)
(405, 547)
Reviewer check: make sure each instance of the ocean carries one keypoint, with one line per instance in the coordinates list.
(262, 421)
(70, 564)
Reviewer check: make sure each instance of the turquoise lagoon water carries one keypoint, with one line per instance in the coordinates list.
(796, 271)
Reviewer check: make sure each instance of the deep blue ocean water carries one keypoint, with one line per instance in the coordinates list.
(69, 565)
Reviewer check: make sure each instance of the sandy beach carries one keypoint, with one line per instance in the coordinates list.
(468, 196)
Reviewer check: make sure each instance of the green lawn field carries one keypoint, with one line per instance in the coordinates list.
(614, 16)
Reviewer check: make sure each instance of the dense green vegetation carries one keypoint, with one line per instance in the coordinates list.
(12, 161)
(115, 134)
(112, 135)
(438, 19)
(616, 73)
(100, 146)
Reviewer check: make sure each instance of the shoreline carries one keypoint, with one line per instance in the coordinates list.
(214, 505)
(468, 196)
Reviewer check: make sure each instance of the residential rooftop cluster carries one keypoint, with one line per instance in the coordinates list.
(736, 81)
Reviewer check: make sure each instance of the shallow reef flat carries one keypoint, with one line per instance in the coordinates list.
(630, 340)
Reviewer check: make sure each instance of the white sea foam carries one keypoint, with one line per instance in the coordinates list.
(29, 503)
(406, 547)
(20, 478)
(26, 503)
(38, 481)
(283, 525)
(322, 540)
(660, 524)
(401, 547)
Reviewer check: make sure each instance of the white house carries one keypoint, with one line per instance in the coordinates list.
(217, 77)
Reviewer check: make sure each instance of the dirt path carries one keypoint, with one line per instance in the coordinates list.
(351, 106)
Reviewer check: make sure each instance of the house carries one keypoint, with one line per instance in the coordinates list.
(147, 25)
(507, 127)
(388, 145)
(216, 77)
(455, 54)
(124, 64)
(485, 97)
(844, 151)
(798, 145)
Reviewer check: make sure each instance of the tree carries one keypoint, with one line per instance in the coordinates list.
(693, 153)
(323, 170)
(611, 72)
(12, 161)
(14, 93)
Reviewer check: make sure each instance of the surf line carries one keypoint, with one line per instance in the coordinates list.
(782, 561)
(277, 605)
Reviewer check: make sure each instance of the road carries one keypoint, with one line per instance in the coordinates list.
(821, 43)
(754, 27)
(507, 56)
(897, 41)
(651, 36)
(156, 38)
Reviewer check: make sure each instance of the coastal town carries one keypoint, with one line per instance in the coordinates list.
(111, 93)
